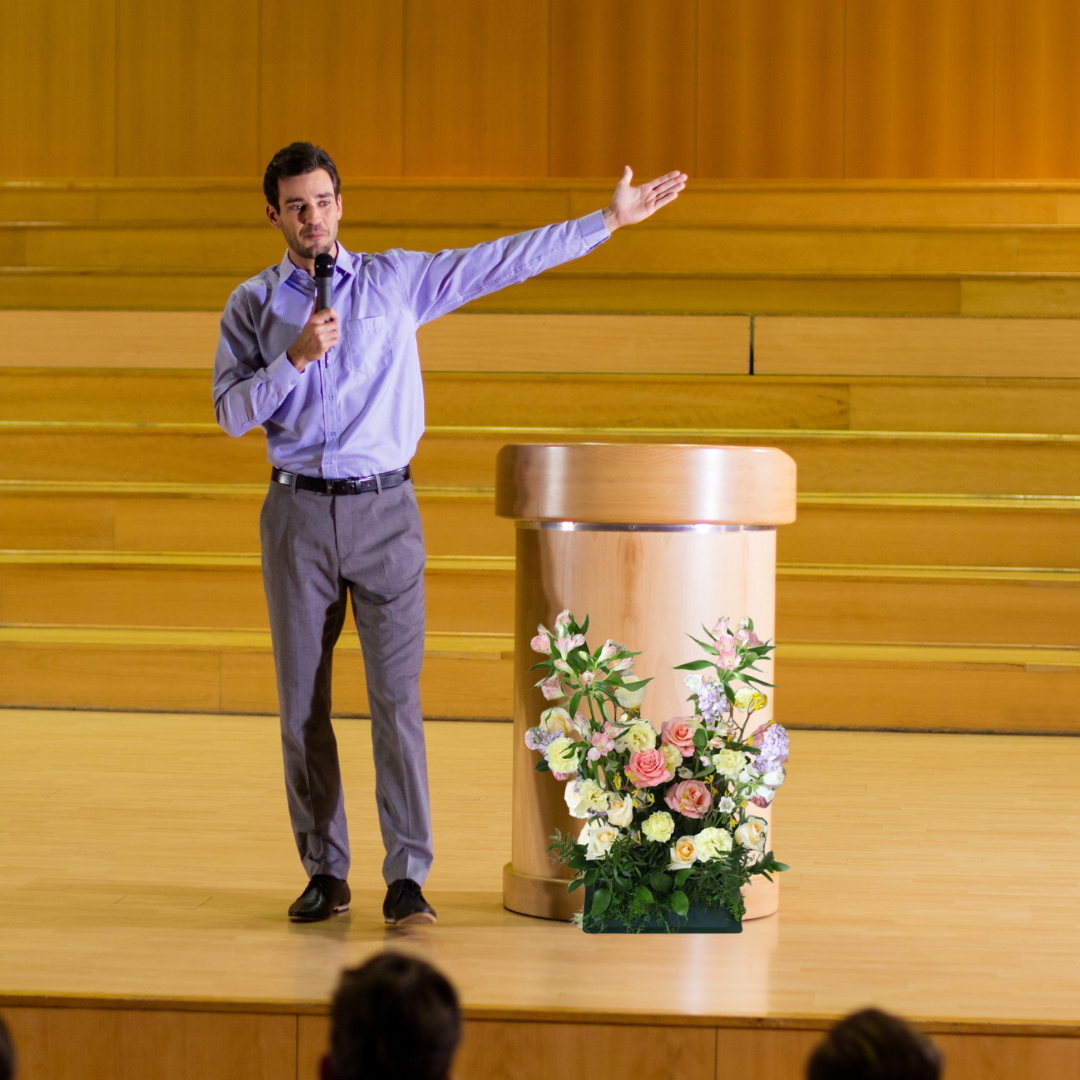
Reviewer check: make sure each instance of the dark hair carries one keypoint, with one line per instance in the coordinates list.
(7, 1054)
(297, 159)
(874, 1045)
(393, 1018)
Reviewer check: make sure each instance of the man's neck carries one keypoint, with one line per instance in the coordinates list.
(308, 265)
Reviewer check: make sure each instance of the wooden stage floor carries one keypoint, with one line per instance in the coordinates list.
(146, 865)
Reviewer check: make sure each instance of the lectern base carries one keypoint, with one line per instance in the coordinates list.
(542, 897)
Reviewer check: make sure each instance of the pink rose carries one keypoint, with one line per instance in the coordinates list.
(690, 798)
(679, 732)
(647, 768)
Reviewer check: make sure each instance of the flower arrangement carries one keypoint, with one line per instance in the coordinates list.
(668, 818)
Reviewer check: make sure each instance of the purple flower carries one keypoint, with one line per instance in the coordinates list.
(774, 745)
(538, 738)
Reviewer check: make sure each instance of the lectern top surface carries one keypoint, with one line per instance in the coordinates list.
(656, 483)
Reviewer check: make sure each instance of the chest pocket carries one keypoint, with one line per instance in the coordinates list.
(367, 345)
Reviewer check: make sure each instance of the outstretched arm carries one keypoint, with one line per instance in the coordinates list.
(630, 205)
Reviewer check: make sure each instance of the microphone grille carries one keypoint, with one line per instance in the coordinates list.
(324, 265)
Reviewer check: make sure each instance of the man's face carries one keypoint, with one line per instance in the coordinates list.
(309, 214)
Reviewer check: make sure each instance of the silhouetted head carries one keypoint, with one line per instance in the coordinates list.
(873, 1045)
(7, 1055)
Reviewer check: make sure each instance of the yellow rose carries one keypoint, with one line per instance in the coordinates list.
(557, 721)
(752, 834)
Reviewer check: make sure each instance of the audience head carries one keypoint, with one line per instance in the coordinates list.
(7, 1054)
(872, 1045)
(393, 1018)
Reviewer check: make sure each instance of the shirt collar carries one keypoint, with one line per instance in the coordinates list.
(345, 266)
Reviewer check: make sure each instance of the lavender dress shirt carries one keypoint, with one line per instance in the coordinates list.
(360, 409)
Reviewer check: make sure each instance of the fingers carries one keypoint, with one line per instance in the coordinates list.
(324, 316)
(627, 175)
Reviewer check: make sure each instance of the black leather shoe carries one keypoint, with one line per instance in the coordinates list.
(324, 896)
(405, 904)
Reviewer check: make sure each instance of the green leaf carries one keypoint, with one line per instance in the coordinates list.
(590, 876)
(543, 766)
(701, 738)
(679, 902)
(694, 665)
(706, 647)
(634, 685)
(660, 882)
(601, 900)
(585, 626)
(643, 896)
(681, 877)
(575, 884)
(575, 701)
(621, 885)
(780, 866)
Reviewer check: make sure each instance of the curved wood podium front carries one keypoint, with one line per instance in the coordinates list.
(651, 541)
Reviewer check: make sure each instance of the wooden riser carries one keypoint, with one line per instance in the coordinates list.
(888, 530)
(531, 202)
(463, 457)
(1050, 406)
(1055, 295)
(907, 687)
(663, 246)
(814, 603)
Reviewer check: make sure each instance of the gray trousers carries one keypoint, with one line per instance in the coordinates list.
(317, 550)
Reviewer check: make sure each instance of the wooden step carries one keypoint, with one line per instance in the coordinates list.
(464, 675)
(848, 461)
(475, 594)
(822, 292)
(523, 203)
(465, 594)
(908, 687)
(1023, 405)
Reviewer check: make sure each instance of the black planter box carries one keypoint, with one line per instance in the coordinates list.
(698, 920)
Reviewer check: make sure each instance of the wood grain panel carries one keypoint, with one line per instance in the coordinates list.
(187, 88)
(919, 89)
(1037, 93)
(58, 86)
(622, 87)
(358, 119)
(476, 88)
(135, 1044)
(1029, 348)
(770, 88)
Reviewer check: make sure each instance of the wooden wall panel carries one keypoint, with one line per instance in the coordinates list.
(58, 88)
(358, 119)
(476, 88)
(1037, 96)
(622, 87)
(770, 89)
(919, 88)
(187, 86)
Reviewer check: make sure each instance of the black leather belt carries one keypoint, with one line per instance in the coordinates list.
(351, 485)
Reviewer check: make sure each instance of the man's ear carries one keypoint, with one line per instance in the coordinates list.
(274, 216)
(324, 1068)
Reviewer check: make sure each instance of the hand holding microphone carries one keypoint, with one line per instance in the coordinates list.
(321, 331)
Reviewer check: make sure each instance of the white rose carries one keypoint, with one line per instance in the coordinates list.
(598, 836)
(630, 699)
(683, 853)
(712, 844)
(638, 736)
(673, 757)
(620, 810)
(729, 763)
(563, 755)
(658, 827)
(752, 834)
(583, 796)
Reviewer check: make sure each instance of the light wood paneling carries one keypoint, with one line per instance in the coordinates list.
(351, 105)
(770, 88)
(476, 88)
(1037, 93)
(622, 87)
(135, 1044)
(58, 86)
(919, 88)
(187, 88)
(996, 348)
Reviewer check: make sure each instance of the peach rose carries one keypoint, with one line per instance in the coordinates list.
(647, 768)
(690, 798)
(679, 732)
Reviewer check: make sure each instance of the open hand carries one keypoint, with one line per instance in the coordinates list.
(320, 333)
(630, 205)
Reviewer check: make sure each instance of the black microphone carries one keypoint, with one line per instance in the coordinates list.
(324, 280)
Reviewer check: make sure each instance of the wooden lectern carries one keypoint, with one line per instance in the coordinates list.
(650, 541)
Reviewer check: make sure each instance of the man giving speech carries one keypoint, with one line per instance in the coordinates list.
(340, 397)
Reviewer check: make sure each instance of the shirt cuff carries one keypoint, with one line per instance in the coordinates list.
(593, 229)
(282, 373)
